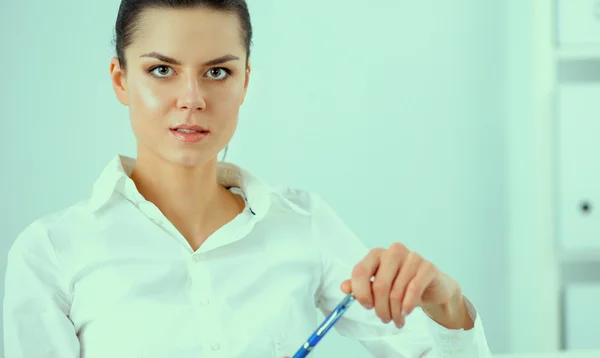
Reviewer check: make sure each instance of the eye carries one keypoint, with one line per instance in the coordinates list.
(161, 71)
(218, 73)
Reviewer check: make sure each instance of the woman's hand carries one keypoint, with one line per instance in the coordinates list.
(396, 281)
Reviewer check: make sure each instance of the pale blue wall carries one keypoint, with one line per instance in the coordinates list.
(391, 110)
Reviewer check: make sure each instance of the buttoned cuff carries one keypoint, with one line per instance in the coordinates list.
(455, 342)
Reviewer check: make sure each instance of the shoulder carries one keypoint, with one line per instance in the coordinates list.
(334, 238)
(308, 203)
(303, 201)
(42, 236)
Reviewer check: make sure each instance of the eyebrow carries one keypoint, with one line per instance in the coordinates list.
(167, 59)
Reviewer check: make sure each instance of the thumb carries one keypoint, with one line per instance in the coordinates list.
(346, 286)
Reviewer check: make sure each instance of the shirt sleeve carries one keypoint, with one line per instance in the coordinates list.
(421, 336)
(36, 301)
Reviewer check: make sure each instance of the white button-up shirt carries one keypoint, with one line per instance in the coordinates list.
(111, 277)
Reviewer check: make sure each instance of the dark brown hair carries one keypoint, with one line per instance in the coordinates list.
(130, 10)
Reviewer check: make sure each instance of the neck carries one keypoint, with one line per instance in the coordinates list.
(185, 195)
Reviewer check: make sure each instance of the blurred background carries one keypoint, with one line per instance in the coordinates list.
(465, 129)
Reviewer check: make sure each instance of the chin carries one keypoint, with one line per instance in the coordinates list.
(188, 158)
(191, 159)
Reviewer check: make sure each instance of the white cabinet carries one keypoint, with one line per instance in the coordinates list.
(581, 316)
(554, 174)
(578, 22)
(578, 157)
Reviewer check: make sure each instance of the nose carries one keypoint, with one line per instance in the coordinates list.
(192, 98)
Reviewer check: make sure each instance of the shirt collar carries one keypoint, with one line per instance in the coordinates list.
(115, 179)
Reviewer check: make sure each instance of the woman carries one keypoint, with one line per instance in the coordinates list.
(178, 255)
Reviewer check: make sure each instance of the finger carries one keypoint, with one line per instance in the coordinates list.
(414, 291)
(346, 286)
(361, 278)
(391, 261)
(408, 271)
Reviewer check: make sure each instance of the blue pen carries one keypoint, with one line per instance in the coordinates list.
(325, 326)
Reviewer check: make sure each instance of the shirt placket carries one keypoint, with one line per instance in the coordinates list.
(205, 308)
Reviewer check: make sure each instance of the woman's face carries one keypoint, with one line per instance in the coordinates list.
(185, 68)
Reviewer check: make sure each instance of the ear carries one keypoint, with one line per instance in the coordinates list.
(247, 80)
(119, 81)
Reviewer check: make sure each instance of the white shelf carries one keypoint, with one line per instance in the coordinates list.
(580, 256)
(561, 354)
(575, 53)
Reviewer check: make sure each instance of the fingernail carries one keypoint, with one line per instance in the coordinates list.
(368, 306)
(403, 313)
(399, 325)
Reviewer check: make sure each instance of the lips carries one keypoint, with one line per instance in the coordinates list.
(183, 130)
(189, 134)
(189, 129)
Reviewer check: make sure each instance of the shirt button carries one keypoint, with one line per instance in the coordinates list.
(449, 338)
(204, 302)
(198, 258)
(215, 346)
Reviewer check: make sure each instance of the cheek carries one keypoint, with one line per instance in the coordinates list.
(228, 112)
(147, 98)
(230, 99)
(147, 107)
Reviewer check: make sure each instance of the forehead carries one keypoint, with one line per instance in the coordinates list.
(188, 33)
